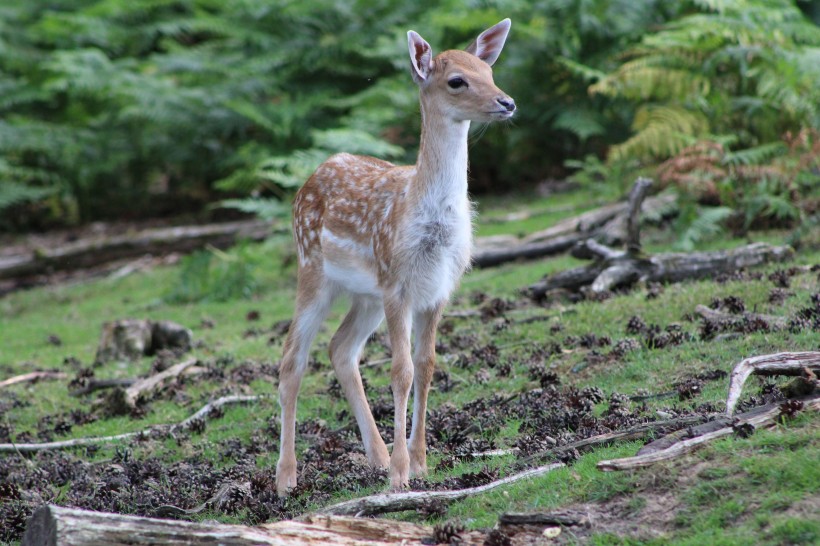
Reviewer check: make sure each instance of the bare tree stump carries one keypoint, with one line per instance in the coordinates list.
(55, 525)
(130, 339)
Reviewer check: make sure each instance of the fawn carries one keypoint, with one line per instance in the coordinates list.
(396, 240)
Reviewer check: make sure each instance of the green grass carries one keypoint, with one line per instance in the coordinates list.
(763, 489)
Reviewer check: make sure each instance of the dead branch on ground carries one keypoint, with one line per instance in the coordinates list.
(124, 401)
(30, 377)
(732, 322)
(763, 417)
(635, 433)
(182, 426)
(556, 517)
(775, 364)
(413, 500)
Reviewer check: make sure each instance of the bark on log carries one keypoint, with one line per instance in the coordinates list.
(412, 500)
(773, 364)
(55, 525)
(95, 251)
(765, 417)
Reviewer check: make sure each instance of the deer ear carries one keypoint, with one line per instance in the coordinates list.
(489, 43)
(421, 57)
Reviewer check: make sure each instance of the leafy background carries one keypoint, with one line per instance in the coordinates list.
(127, 109)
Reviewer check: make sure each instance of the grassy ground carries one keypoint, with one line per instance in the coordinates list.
(760, 490)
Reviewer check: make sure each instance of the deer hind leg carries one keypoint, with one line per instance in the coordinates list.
(313, 301)
(364, 317)
(399, 323)
(424, 364)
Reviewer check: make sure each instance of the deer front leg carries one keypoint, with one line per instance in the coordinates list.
(399, 325)
(424, 364)
(345, 351)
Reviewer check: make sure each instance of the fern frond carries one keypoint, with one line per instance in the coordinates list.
(661, 131)
(708, 223)
(583, 123)
(756, 155)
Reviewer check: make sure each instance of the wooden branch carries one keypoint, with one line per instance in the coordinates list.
(633, 215)
(98, 250)
(767, 417)
(124, 401)
(635, 433)
(54, 525)
(93, 385)
(773, 364)
(488, 257)
(184, 425)
(556, 517)
(31, 376)
(412, 500)
(729, 319)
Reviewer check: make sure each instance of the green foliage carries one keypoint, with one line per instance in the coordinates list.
(121, 107)
(743, 67)
(213, 275)
(699, 224)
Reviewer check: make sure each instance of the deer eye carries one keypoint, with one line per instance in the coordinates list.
(456, 82)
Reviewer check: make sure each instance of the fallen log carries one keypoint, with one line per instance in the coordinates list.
(613, 268)
(764, 417)
(55, 525)
(609, 222)
(413, 500)
(774, 364)
(98, 250)
(31, 376)
(187, 424)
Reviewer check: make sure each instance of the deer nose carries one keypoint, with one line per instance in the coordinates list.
(507, 103)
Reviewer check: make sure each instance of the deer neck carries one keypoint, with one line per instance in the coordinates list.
(441, 168)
